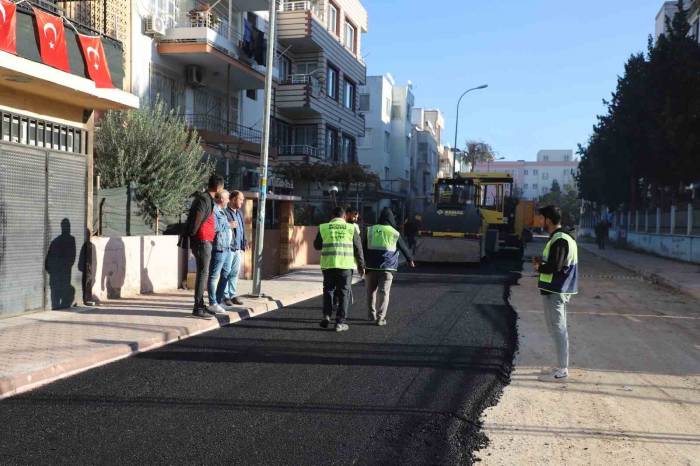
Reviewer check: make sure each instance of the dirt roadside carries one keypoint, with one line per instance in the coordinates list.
(633, 396)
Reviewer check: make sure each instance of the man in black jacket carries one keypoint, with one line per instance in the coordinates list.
(201, 230)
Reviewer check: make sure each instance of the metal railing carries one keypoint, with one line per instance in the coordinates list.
(298, 149)
(219, 125)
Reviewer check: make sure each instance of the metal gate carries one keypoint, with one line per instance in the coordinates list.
(42, 228)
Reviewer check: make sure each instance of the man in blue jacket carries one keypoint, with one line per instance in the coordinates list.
(382, 246)
(239, 244)
(221, 252)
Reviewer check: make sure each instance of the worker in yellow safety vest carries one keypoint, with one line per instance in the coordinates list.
(341, 252)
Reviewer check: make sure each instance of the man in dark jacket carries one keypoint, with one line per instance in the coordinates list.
(341, 252)
(201, 230)
(382, 246)
(558, 282)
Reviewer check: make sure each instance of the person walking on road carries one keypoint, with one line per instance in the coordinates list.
(221, 255)
(601, 233)
(201, 230)
(558, 281)
(341, 251)
(239, 244)
(383, 244)
(411, 229)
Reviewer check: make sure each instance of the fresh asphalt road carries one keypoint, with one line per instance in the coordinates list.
(279, 390)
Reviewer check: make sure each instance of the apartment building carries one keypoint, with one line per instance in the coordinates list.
(428, 125)
(534, 179)
(49, 93)
(316, 112)
(670, 8)
(387, 147)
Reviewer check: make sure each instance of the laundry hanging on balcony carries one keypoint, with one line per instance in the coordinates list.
(8, 27)
(253, 43)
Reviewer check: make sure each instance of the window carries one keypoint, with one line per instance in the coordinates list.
(305, 68)
(26, 131)
(331, 144)
(387, 141)
(525, 186)
(366, 141)
(305, 135)
(364, 102)
(545, 158)
(535, 186)
(387, 108)
(386, 173)
(347, 149)
(524, 172)
(252, 94)
(332, 82)
(350, 34)
(349, 95)
(567, 158)
(534, 172)
(333, 18)
(544, 190)
(545, 176)
(285, 68)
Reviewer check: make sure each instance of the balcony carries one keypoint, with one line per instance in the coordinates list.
(216, 130)
(298, 150)
(301, 25)
(211, 42)
(298, 96)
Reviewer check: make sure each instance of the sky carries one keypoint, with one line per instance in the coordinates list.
(548, 63)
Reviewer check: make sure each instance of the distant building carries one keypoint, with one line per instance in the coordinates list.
(670, 8)
(425, 159)
(534, 179)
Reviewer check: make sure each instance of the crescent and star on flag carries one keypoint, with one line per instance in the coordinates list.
(51, 27)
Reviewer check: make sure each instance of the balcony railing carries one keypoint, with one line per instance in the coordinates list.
(298, 150)
(301, 6)
(219, 125)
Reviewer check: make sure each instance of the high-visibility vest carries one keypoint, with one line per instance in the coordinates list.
(381, 248)
(566, 280)
(337, 251)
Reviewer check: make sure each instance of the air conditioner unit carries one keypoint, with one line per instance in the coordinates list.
(194, 75)
(154, 26)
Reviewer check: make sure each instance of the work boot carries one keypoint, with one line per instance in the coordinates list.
(237, 302)
(201, 313)
(228, 302)
(326, 322)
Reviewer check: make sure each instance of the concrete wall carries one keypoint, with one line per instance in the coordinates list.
(302, 247)
(684, 248)
(127, 266)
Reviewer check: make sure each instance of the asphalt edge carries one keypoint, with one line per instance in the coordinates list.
(22, 383)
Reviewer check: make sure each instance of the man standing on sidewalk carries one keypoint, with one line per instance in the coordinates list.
(341, 248)
(558, 281)
(201, 230)
(221, 255)
(382, 262)
(239, 244)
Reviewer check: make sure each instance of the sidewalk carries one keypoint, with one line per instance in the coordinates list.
(39, 348)
(633, 394)
(681, 276)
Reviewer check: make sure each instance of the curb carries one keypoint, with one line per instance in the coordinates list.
(21, 383)
(650, 276)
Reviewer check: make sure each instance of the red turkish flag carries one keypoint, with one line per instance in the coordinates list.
(52, 40)
(8, 27)
(95, 60)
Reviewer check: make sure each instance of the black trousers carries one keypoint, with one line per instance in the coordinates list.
(202, 253)
(336, 289)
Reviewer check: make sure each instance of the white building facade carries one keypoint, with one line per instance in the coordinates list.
(535, 179)
(425, 163)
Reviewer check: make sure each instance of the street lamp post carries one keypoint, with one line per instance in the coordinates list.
(454, 159)
(488, 164)
(264, 153)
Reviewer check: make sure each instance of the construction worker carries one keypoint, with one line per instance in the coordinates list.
(341, 250)
(382, 261)
(558, 281)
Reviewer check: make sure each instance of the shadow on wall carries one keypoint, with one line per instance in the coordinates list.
(146, 283)
(114, 268)
(59, 264)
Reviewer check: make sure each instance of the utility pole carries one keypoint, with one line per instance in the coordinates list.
(265, 149)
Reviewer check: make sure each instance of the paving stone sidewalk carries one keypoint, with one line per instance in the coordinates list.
(39, 348)
(680, 276)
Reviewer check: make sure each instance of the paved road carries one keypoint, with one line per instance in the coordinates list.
(279, 390)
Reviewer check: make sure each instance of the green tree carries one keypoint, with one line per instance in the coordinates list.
(567, 199)
(555, 187)
(478, 152)
(152, 149)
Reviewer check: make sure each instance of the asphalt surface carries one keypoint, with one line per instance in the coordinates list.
(279, 390)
